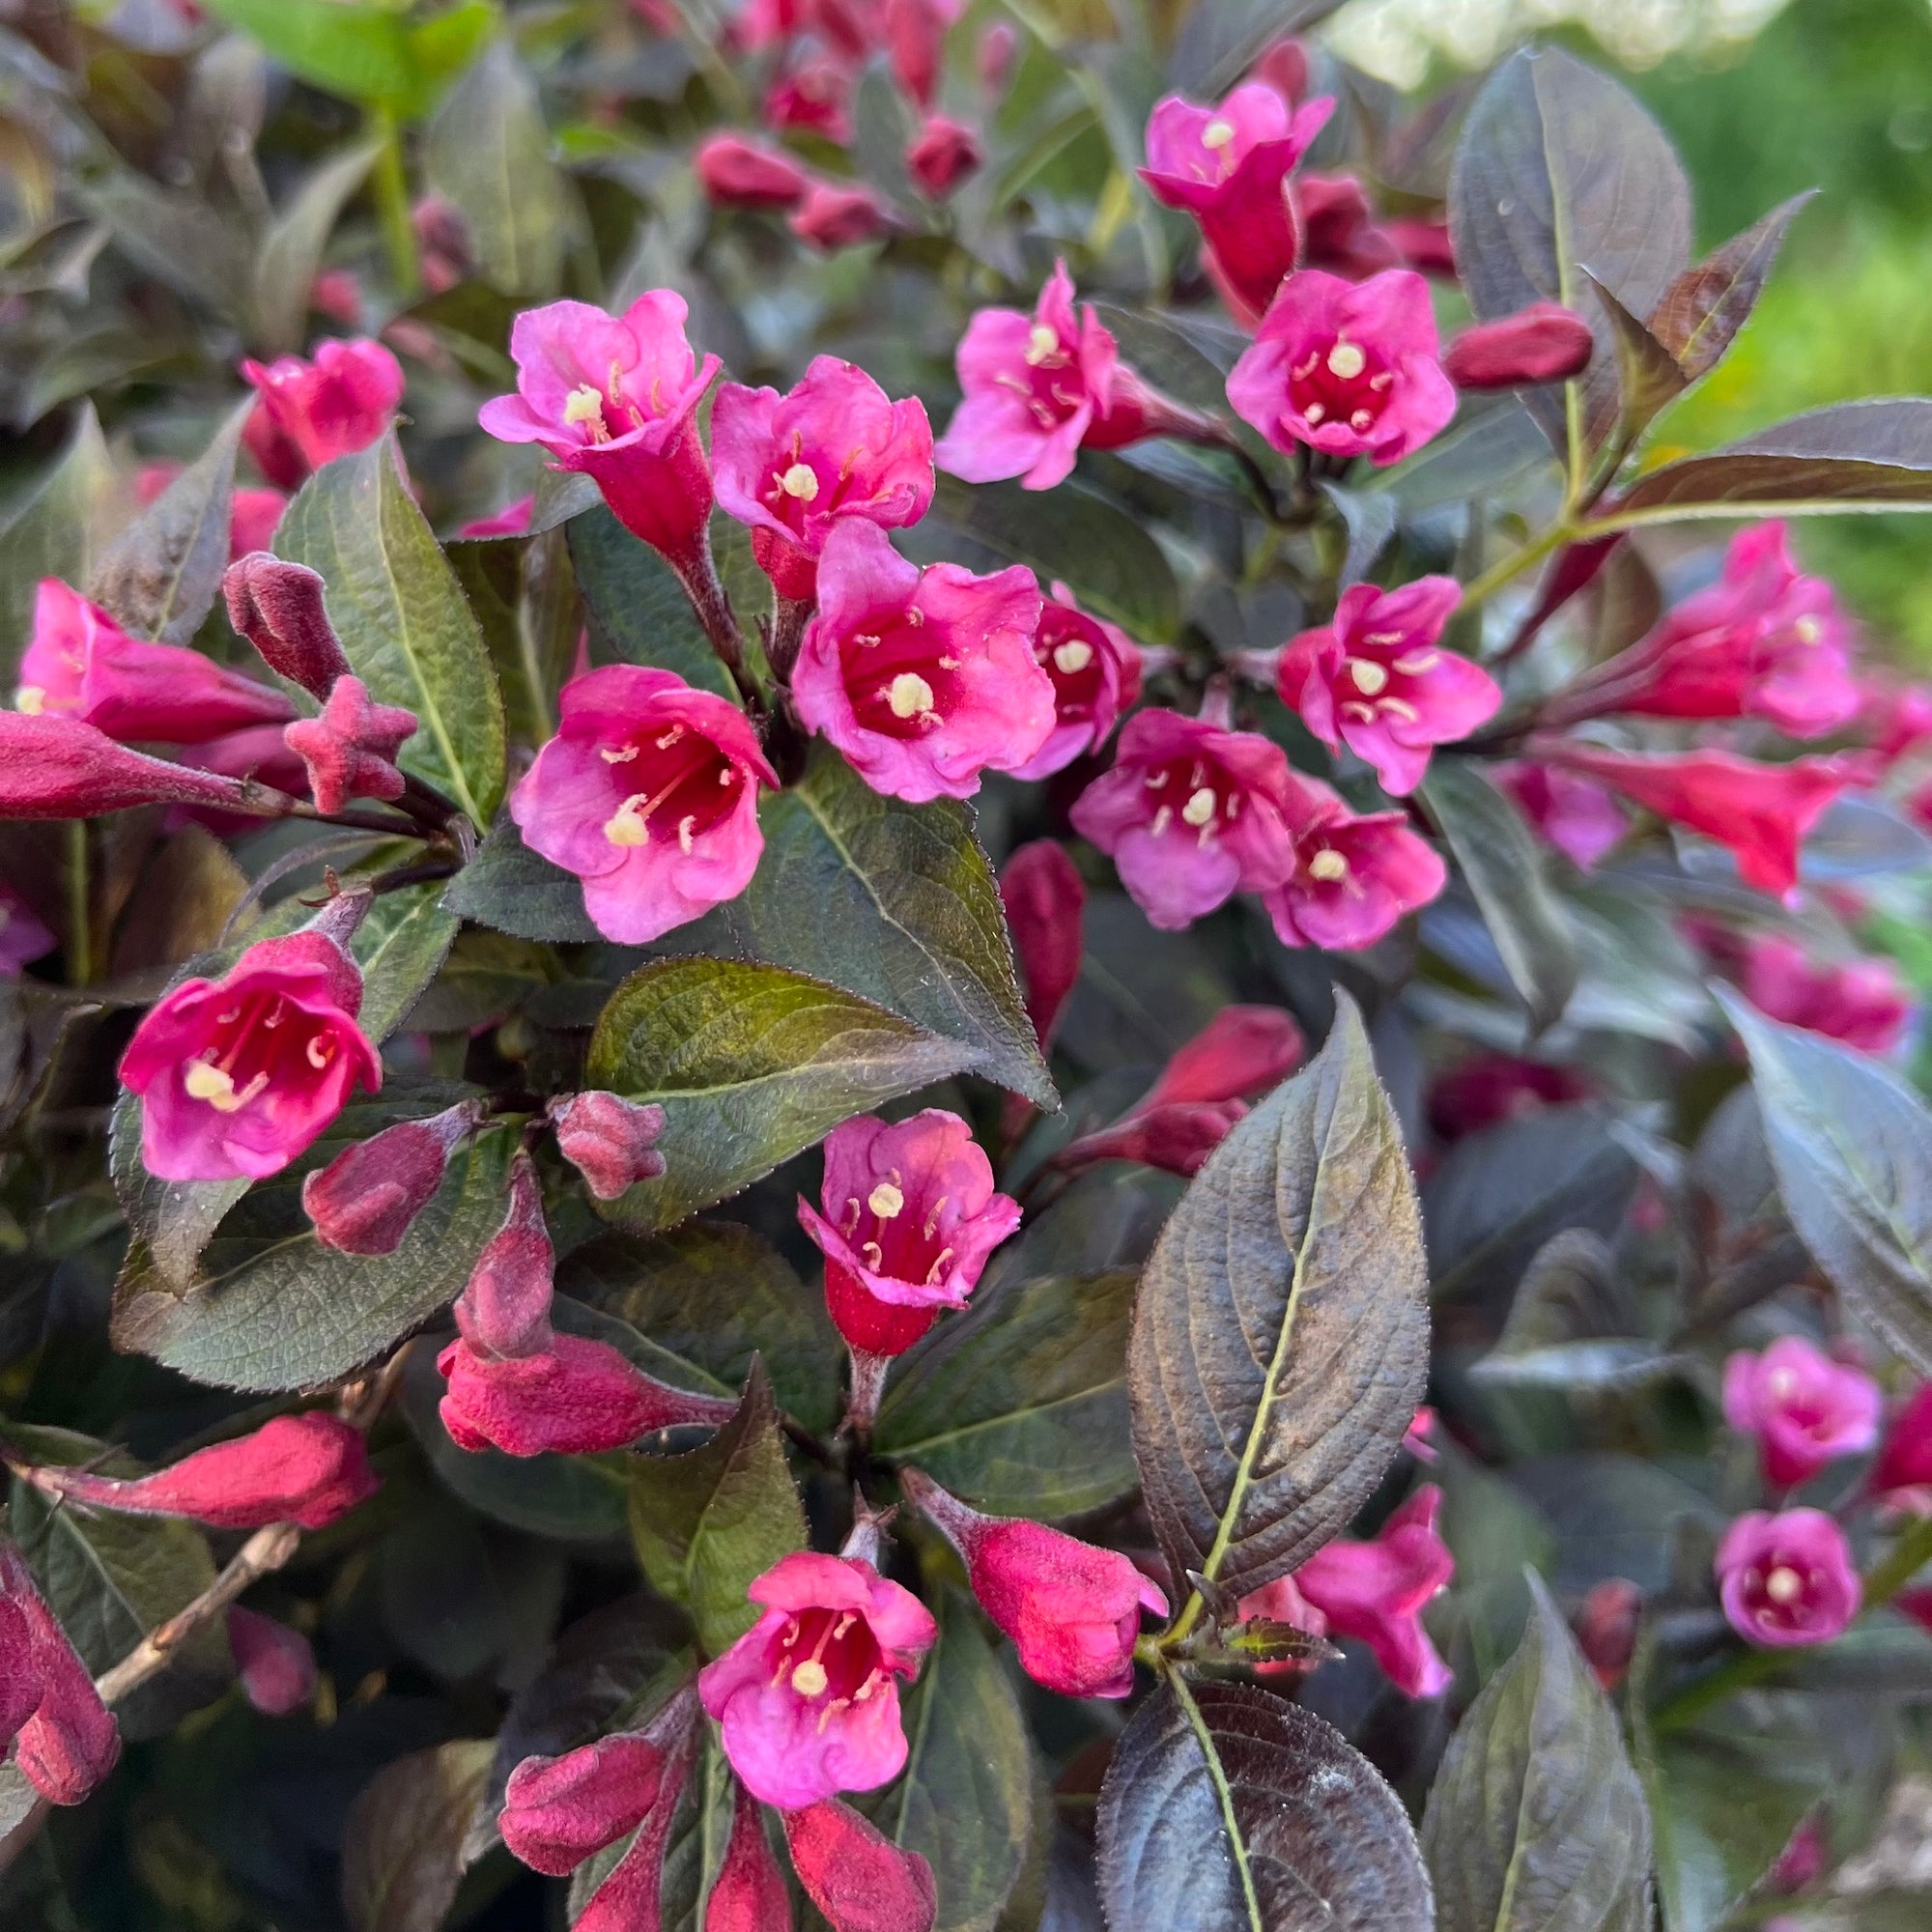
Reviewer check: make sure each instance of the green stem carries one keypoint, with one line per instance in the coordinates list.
(1511, 567)
(79, 933)
(392, 204)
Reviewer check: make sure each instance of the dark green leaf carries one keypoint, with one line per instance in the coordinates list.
(183, 242)
(1852, 1149)
(1703, 309)
(1280, 1339)
(898, 903)
(276, 1310)
(403, 1837)
(561, 495)
(638, 611)
(53, 531)
(1227, 1810)
(1167, 349)
(400, 947)
(1505, 869)
(709, 1523)
(1572, 1324)
(511, 889)
(292, 249)
(1537, 1822)
(175, 1219)
(708, 1296)
(401, 616)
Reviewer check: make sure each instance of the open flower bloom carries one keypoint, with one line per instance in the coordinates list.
(1376, 1592)
(332, 406)
(1858, 1001)
(910, 1217)
(648, 793)
(1227, 166)
(65, 1738)
(854, 1874)
(1353, 875)
(1096, 669)
(808, 1697)
(793, 467)
(365, 1200)
(1373, 679)
(1576, 816)
(1348, 368)
(1764, 641)
(923, 678)
(24, 936)
(81, 664)
(351, 749)
(617, 397)
(238, 1075)
(1903, 1472)
(1072, 1610)
(1787, 1579)
(1804, 1410)
(1039, 387)
(1190, 813)
(1761, 811)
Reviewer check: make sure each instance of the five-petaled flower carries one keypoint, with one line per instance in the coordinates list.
(1787, 1579)
(648, 793)
(1096, 669)
(312, 412)
(1804, 1410)
(1354, 874)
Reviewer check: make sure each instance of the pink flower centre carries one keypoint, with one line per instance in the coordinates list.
(1376, 679)
(1340, 382)
(1049, 381)
(893, 1237)
(670, 786)
(1780, 1592)
(262, 1039)
(829, 1658)
(901, 681)
(601, 416)
(800, 486)
(1072, 660)
(1191, 798)
(1325, 861)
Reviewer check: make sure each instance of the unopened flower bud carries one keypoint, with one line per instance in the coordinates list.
(278, 607)
(836, 214)
(736, 173)
(856, 1876)
(56, 767)
(942, 155)
(504, 1308)
(70, 1740)
(276, 1665)
(1239, 1054)
(993, 58)
(1607, 1629)
(1542, 343)
(557, 1812)
(1176, 1139)
(610, 1141)
(351, 749)
(363, 1202)
(750, 1893)
(1044, 900)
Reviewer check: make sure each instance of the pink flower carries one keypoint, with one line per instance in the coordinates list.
(1787, 1579)
(855, 1875)
(275, 1663)
(1575, 815)
(915, 31)
(504, 1312)
(941, 156)
(1859, 1001)
(736, 173)
(649, 793)
(1542, 343)
(1339, 231)
(1764, 641)
(1897, 718)
(840, 214)
(351, 749)
(1227, 166)
(1096, 669)
(1373, 679)
(65, 1739)
(252, 520)
(910, 1217)
(793, 468)
(1348, 368)
(808, 1698)
(1607, 1626)
(513, 520)
(309, 1469)
(1486, 1089)
(1045, 898)
(557, 1812)
(923, 678)
(1351, 876)
(610, 1140)
(279, 608)
(81, 664)
(238, 1075)
(1804, 1410)
(55, 767)
(617, 397)
(337, 294)
(994, 55)
(1073, 1612)
(339, 403)
(1760, 811)
(23, 936)
(750, 1894)
(1903, 1472)
(1190, 813)
(364, 1200)
(812, 97)
(1176, 1138)
(1375, 1591)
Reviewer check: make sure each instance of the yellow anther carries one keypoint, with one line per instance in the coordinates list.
(810, 1680)
(1347, 361)
(1784, 1585)
(885, 1201)
(1217, 134)
(626, 825)
(30, 700)
(1329, 866)
(584, 405)
(1043, 342)
(1198, 809)
(1369, 676)
(909, 696)
(1071, 656)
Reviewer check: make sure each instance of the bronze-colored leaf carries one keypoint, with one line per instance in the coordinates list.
(1703, 309)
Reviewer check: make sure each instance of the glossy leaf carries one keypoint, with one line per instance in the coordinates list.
(511, 889)
(1703, 309)
(1280, 1339)
(403, 619)
(1229, 1809)
(638, 611)
(1537, 1822)
(401, 1841)
(174, 1219)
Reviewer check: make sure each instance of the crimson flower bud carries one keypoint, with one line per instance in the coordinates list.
(749, 1894)
(1240, 1053)
(56, 767)
(736, 173)
(609, 1140)
(363, 1202)
(557, 1812)
(856, 1876)
(1542, 343)
(577, 1397)
(70, 1740)
(504, 1308)
(308, 1469)
(1176, 1139)
(351, 749)
(1607, 1629)
(942, 155)
(276, 1665)
(1044, 900)
(278, 607)
(1071, 1609)
(840, 215)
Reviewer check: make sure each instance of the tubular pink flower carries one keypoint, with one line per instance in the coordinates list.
(238, 1075)
(808, 1698)
(1787, 1579)
(793, 468)
(364, 1200)
(736, 173)
(1353, 875)
(1348, 368)
(1903, 1472)
(648, 793)
(915, 37)
(1239, 1054)
(1096, 669)
(67, 1742)
(1190, 814)
(1044, 898)
(1576, 816)
(340, 401)
(1858, 1001)
(81, 664)
(942, 155)
(1804, 1410)
(749, 1894)
(557, 1812)
(610, 1140)
(504, 1312)
(1542, 343)
(855, 1875)
(53, 767)
(617, 397)
(351, 749)
(276, 1665)
(1373, 679)
(923, 678)
(1072, 1610)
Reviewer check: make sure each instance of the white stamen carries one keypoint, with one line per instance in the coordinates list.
(1329, 866)
(1397, 707)
(1162, 819)
(611, 758)
(30, 700)
(685, 828)
(886, 1201)
(1784, 1585)
(584, 405)
(319, 1051)
(1806, 630)
(1043, 342)
(1217, 133)
(1346, 361)
(810, 1680)
(909, 696)
(1369, 677)
(1200, 806)
(626, 825)
(1071, 656)
(800, 480)
(1313, 413)
(1362, 419)
(1418, 662)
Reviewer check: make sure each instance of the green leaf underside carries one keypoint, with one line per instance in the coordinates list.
(403, 1839)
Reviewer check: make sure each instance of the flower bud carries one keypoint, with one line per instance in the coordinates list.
(750, 1893)
(993, 57)
(504, 1308)
(55, 767)
(1176, 1139)
(1542, 343)
(1239, 1054)
(736, 173)
(351, 749)
(1044, 900)
(1607, 1629)
(276, 1665)
(610, 1141)
(557, 1812)
(856, 1876)
(363, 1202)
(1071, 1609)
(1903, 1471)
(278, 607)
(1787, 1579)
(71, 1742)
(836, 214)
(339, 402)
(942, 155)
